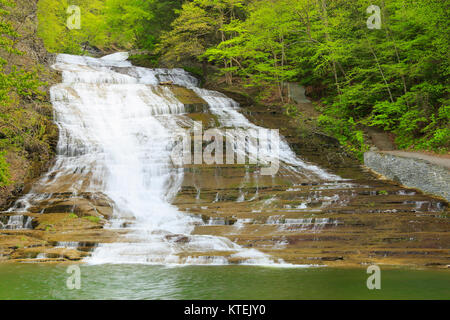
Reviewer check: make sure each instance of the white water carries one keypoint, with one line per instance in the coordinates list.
(16, 222)
(116, 127)
(227, 110)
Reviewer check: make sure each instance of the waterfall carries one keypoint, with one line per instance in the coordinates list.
(117, 126)
(228, 113)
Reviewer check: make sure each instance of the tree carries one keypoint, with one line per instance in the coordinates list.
(190, 35)
(58, 38)
(139, 23)
(258, 47)
(199, 26)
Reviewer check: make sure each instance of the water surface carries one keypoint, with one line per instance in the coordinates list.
(218, 282)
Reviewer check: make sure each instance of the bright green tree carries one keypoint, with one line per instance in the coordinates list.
(57, 37)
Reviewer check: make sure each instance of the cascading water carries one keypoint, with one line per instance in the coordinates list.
(116, 128)
(228, 113)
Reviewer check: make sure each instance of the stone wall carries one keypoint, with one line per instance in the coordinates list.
(422, 174)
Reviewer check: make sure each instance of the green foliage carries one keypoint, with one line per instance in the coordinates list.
(194, 70)
(144, 60)
(257, 48)
(106, 24)
(92, 219)
(395, 78)
(26, 83)
(73, 216)
(346, 131)
(138, 23)
(4, 171)
(191, 33)
(22, 128)
(7, 36)
(57, 37)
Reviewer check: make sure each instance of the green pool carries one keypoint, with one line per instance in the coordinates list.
(30, 281)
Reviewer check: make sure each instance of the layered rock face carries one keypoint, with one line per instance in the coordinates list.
(352, 220)
(116, 196)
